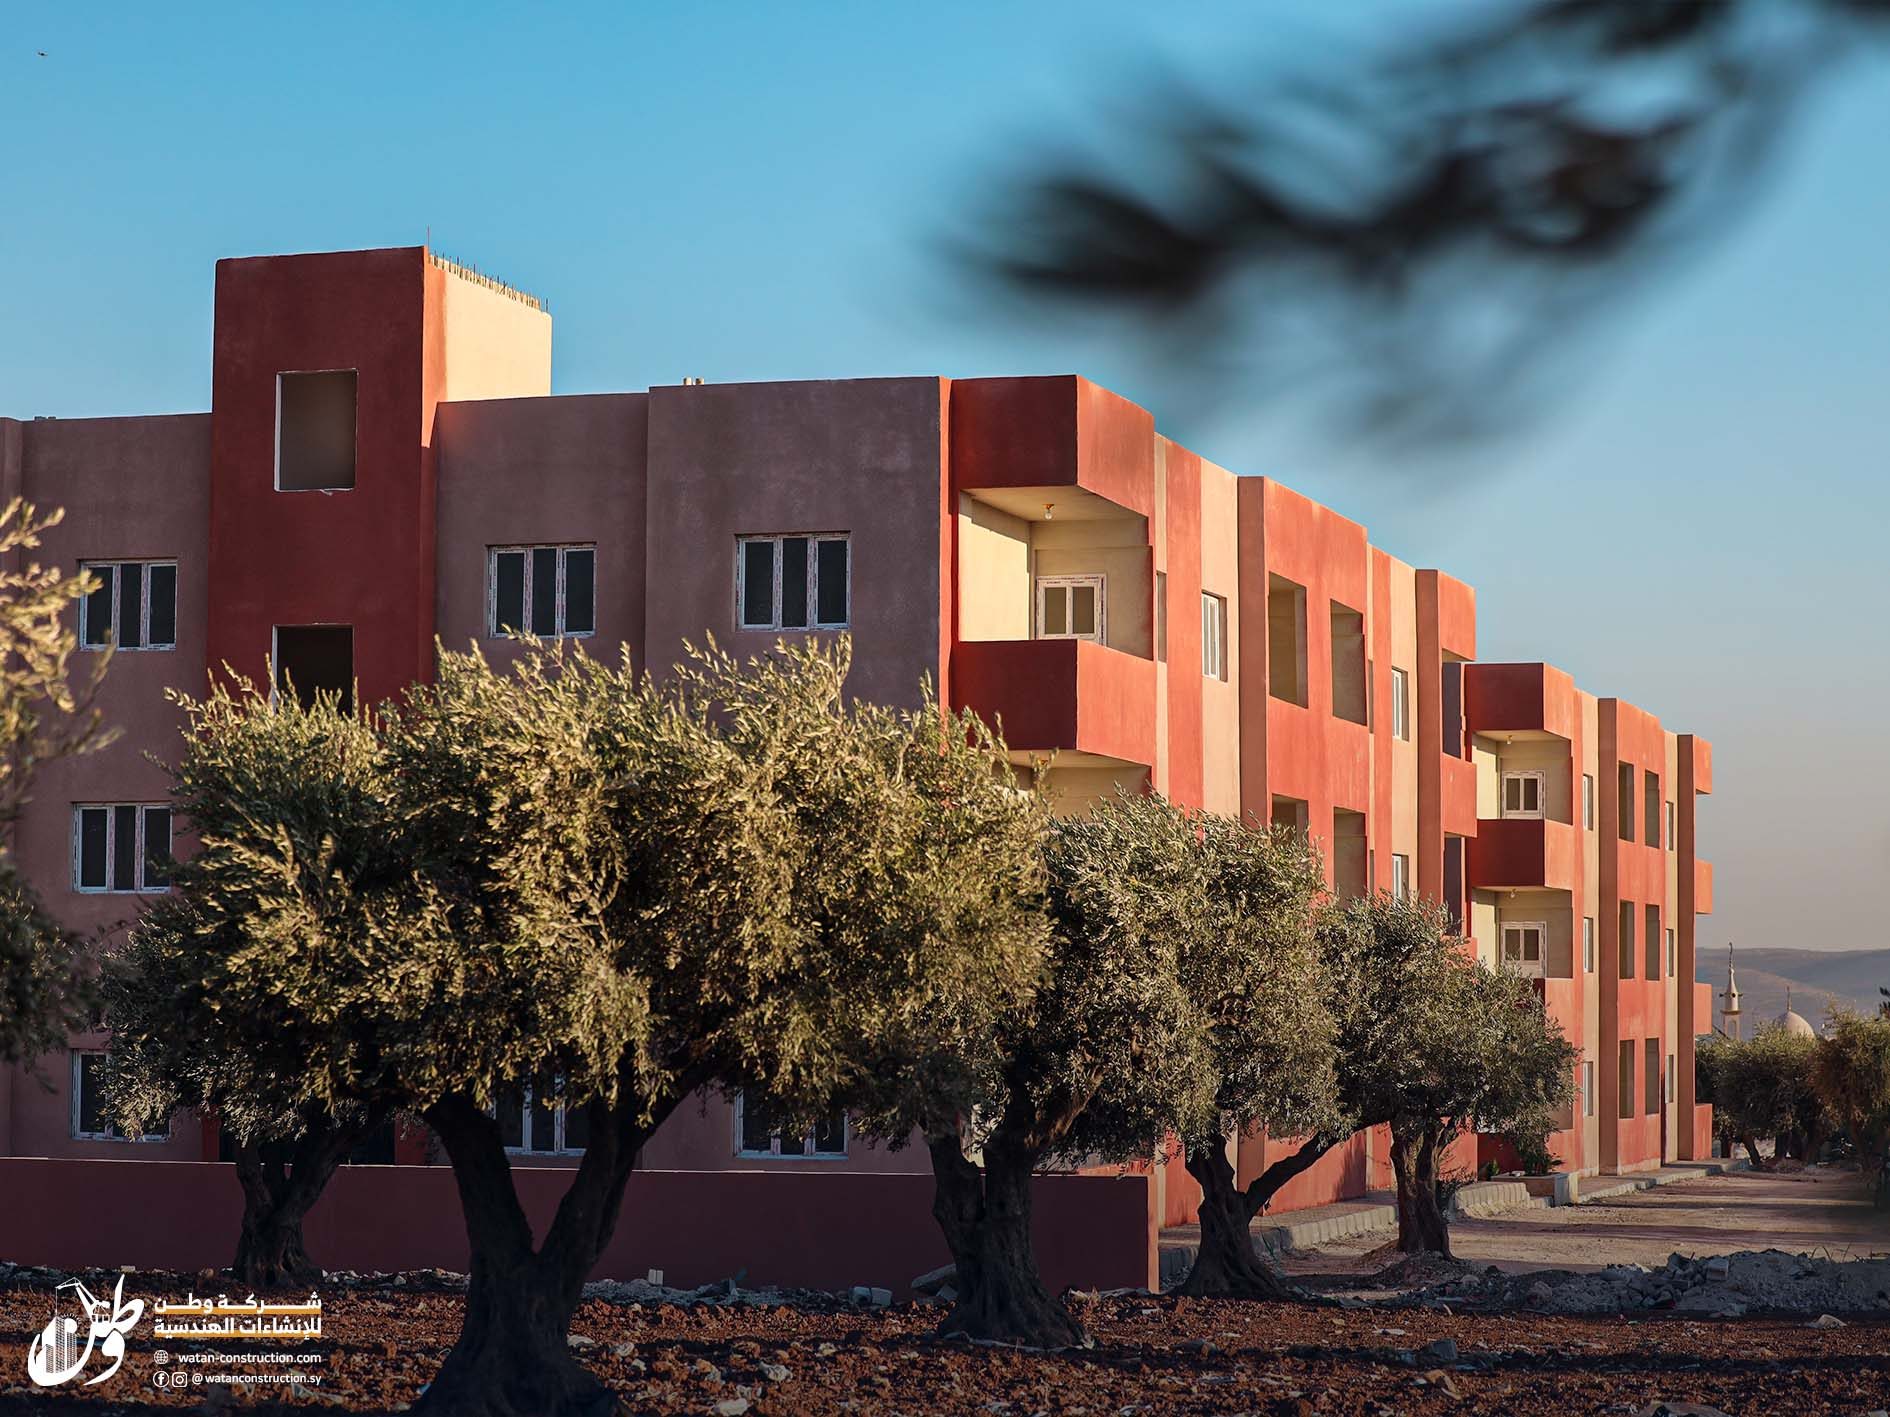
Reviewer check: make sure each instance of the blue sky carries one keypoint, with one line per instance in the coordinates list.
(744, 192)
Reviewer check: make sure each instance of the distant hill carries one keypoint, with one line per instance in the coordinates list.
(1817, 979)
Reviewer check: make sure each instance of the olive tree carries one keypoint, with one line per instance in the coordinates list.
(292, 806)
(1764, 1087)
(638, 889)
(46, 713)
(1097, 1064)
(1851, 1074)
(1438, 1045)
(1250, 967)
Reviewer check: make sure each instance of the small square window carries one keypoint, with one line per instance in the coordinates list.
(121, 848)
(759, 1132)
(549, 592)
(1523, 947)
(1522, 794)
(793, 582)
(534, 1119)
(1213, 636)
(133, 608)
(89, 1121)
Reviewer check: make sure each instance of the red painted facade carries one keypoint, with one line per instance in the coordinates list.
(963, 501)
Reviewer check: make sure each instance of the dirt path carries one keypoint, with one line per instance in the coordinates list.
(1819, 1210)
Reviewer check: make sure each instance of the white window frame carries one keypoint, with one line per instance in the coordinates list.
(144, 569)
(814, 622)
(774, 1153)
(1101, 587)
(276, 477)
(1400, 705)
(1588, 801)
(76, 1079)
(110, 809)
(1213, 636)
(1400, 876)
(526, 1097)
(1520, 778)
(1528, 969)
(1588, 944)
(492, 589)
(1588, 1089)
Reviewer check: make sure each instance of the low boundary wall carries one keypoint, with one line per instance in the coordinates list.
(799, 1228)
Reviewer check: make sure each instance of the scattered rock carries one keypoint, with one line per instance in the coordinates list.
(1679, 1409)
(934, 1280)
(775, 1372)
(578, 1340)
(1826, 1321)
(1442, 1350)
(731, 1407)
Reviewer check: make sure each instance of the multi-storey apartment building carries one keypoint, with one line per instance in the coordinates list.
(384, 463)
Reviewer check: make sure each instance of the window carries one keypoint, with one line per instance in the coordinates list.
(89, 1121)
(315, 431)
(793, 582)
(1650, 1077)
(1626, 1068)
(1588, 1089)
(1522, 794)
(1070, 608)
(315, 659)
(1588, 801)
(1351, 691)
(1161, 617)
(1673, 834)
(1673, 954)
(1624, 801)
(1286, 640)
(1588, 944)
(1672, 1077)
(1213, 636)
(134, 607)
(1650, 811)
(758, 1133)
(1626, 930)
(1650, 937)
(1400, 705)
(533, 1118)
(1523, 947)
(547, 591)
(1400, 877)
(121, 847)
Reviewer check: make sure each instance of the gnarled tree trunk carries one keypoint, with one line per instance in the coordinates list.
(1421, 1225)
(281, 1182)
(1227, 1263)
(986, 1220)
(511, 1358)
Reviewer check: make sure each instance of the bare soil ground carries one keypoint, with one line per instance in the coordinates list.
(1152, 1355)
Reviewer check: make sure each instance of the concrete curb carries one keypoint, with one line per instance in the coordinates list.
(1477, 1200)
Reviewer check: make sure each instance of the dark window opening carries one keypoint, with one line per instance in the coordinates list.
(316, 659)
(315, 424)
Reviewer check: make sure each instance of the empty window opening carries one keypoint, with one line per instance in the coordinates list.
(1291, 813)
(1454, 739)
(316, 659)
(1624, 801)
(1349, 689)
(1626, 1066)
(1522, 794)
(1286, 640)
(121, 847)
(315, 431)
(534, 1118)
(1070, 608)
(1350, 868)
(1588, 801)
(1588, 1089)
(1651, 938)
(759, 1131)
(1588, 944)
(1455, 880)
(794, 582)
(1673, 831)
(1400, 876)
(1401, 705)
(545, 591)
(1673, 1079)
(1524, 946)
(1161, 617)
(1626, 929)
(1650, 813)
(134, 606)
(1650, 1077)
(1213, 636)
(1673, 954)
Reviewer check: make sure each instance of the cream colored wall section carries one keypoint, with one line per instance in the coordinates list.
(1220, 700)
(1548, 756)
(1404, 774)
(1489, 789)
(496, 347)
(1076, 788)
(1483, 925)
(1117, 550)
(993, 573)
(1549, 908)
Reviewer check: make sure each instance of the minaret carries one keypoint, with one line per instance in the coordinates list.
(1729, 1006)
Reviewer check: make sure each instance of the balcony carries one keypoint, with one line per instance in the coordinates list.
(1559, 998)
(1072, 696)
(1457, 782)
(1702, 887)
(1524, 853)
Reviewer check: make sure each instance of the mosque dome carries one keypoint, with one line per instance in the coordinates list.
(1796, 1024)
